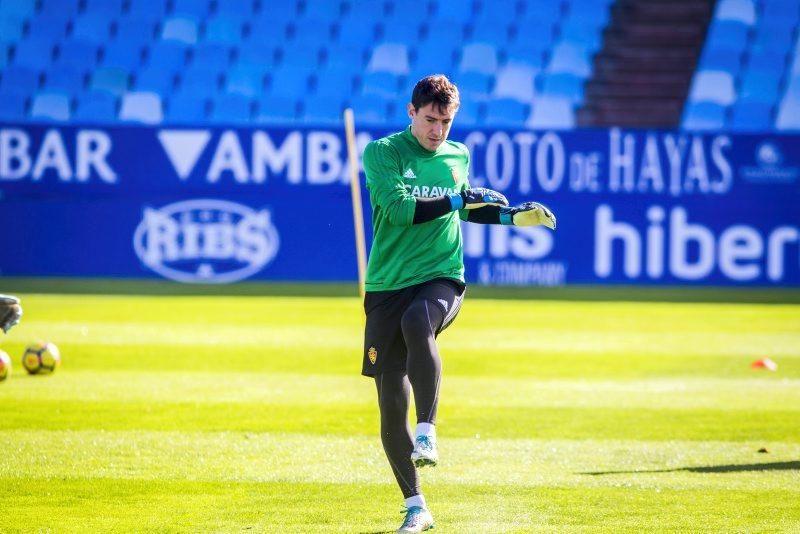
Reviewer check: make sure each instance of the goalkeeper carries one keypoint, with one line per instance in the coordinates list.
(419, 191)
(10, 312)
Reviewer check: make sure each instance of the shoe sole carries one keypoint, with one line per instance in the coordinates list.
(424, 462)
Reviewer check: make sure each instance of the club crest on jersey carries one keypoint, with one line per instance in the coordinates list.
(372, 353)
(454, 174)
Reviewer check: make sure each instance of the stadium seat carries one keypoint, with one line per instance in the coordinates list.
(35, 52)
(136, 32)
(155, 80)
(333, 84)
(12, 106)
(369, 110)
(452, 12)
(276, 110)
(151, 10)
(210, 56)
(322, 110)
(759, 86)
(346, 59)
(244, 8)
(474, 85)
(78, 54)
(353, 31)
(20, 9)
(703, 116)
(469, 115)
(244, 79)
(311, 31)
(11, 29)
(144, 107)
(5, 54)
(551, 112)
(740, 10)
(538, 33)
(515, 81)
(94, 107)
(113, 81)
(224, 29)
(51, 25)
(366, 10)
(51, 107)
(307, 56)
(564, 85)
(181, 29)
(712, 86)
(289, 81)
(525, 54)
(429, 60)
(506, 112)
(193, 9)
(258, 53)
(570, 57)
(122, 55)
(231, 109)
(751, 116)
(581, 30)
(92, 27)
(730, 34)
(389, 57)
(168, 56)
(200, 79)
(107, 8)
(325, 9)
(184, 108)
(382, 84)
(721, 58)
(478, 57)
(19, 80)
(491, 31)
(64, 79)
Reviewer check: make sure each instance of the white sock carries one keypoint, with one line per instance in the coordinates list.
(416, 500)
(426, 429)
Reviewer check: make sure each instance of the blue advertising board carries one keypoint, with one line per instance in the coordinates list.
(217, 205)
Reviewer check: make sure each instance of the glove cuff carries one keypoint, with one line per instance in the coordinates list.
(456, 201)
(506, 217)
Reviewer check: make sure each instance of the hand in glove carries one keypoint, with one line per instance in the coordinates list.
(528, 214)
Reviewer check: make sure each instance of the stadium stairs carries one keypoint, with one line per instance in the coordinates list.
(642, 74)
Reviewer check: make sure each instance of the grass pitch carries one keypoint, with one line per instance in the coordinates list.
(247, 414)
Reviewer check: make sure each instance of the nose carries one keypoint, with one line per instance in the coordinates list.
(438, 129)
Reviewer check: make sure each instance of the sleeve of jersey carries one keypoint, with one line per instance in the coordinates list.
(385, 183)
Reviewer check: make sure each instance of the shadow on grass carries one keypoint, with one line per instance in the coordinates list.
(729, 468)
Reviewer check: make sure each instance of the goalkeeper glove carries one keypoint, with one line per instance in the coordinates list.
(10, 312)
(477, 197)
(528, 214)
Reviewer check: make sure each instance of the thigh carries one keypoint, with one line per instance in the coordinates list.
(384, 346)
(445, 294)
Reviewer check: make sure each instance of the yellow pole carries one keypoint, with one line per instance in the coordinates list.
(355, 194)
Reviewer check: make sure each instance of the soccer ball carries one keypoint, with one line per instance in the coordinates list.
(5, 365)
(41, 357)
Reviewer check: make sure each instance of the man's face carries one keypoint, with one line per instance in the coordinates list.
(431, 124)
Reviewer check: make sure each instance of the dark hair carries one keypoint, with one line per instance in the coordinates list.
(435, 89)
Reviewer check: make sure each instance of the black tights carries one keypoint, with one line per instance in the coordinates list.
(420, 324)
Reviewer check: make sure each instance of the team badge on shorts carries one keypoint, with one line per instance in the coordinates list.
(454, 174)
(372, 353)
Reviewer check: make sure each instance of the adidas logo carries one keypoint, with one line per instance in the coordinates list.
(409, 174)
(443, 303)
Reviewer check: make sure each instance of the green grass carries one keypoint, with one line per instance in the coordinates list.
(237, 413)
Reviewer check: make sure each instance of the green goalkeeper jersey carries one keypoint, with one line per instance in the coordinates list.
(399, 170)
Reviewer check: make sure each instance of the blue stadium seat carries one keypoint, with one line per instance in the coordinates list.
(35, 53)
(526, 54)
(277, 110)
(728, 33)
(505, 112)
(389, 57)
(200, 79)
(181, 29)
(367, 9)
(739, 10)
(515, 81)
(478, 57)
(186, 109)
(322, 110)
(64, 79)
(289, 81)
(122, 55)
(779, 14)
(169, 56)
(12, 106)
(551, 112)
(108, 8)
(381, 84)
(79, 54)
(231, 109)
(325, 9)
(311, 31)
(151, 10)
(571, 57)
(332, 83)
(113, 81)
(540, 11)
(65, 8)
(452, 11)
(155, 80)
(703, 115)
(261, 53)
(769, 60)
(712, 86)
(50, 106)
(434, 36)
(19, 80)
(492, 26)
(473, 85)
(433, 59)
(721, 58)
(5, 54)
(758, 85)
(469, 114)
(751, 116)
(142, 107)
(267, 33)
(20, 9)
(136, 32)
(347, 59)
(581, 30)
(245, 79)
(499, 13)
(564, 85)
(352, 31)
(301, 54)
(211, 56)
(94, 107)
(50, 25)
(224, 29)
(92, 27)
(11, 29)
(194, 9)
(536, 34)
(236, 7)
(781, 39)
(369, 110)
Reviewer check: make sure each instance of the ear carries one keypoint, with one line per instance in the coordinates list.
(411, 111)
